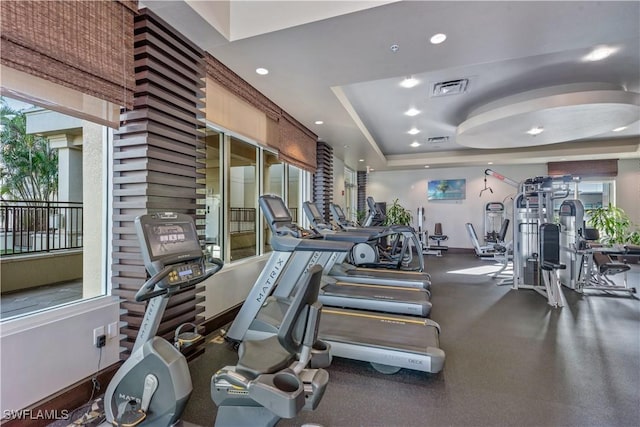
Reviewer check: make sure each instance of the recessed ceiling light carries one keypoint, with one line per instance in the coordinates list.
(600, 53)
(415, 144)
(262, 71)
(361, 160)
(412, 112)
(346, 146)
(438, 38)
(319, 122)
(409, 82)
(371, 169)
(620, 129)
(413, 131)
(427, 166)
(489, 163)
(394, 48)
(536, 130)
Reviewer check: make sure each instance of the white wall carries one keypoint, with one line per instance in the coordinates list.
(410, 187)
(338, 182)
(47, 352)
(628, 188)
(231, 285)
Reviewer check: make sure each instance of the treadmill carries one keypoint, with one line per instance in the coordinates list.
(349, 273)
(361, 293)
(388, 341)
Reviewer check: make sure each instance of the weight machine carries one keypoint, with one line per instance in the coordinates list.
(589, 264)
(532, 210)
(428, 249)
(533, 207)
(494, 216)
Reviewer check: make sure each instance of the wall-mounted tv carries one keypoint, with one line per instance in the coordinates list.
(447, 189)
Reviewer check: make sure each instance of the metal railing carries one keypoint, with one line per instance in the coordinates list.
(243, 220)
(30, 226)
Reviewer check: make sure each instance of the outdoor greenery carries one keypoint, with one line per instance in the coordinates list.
(361, 215)
(614, 225)
(397, 214)
(28, 165)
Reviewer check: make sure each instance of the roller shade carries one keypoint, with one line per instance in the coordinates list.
(238, 106)
(585, 168)
(83, 45)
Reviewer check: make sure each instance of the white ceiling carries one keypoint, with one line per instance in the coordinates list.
(524, 62)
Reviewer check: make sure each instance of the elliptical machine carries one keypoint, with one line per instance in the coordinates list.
(153, 385)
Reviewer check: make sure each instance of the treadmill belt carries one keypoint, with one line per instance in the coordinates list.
(387, 293)
(380, 330)
(387, 274)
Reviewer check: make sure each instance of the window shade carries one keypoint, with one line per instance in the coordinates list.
(295, 143)
(84, 45)
(585, 168)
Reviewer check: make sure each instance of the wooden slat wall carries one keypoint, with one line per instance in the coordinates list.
(158, 156)
(585, 168)
(323, 179)
(362, 191)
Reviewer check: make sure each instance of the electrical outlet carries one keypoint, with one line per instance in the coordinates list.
(101, 341)
(97, 332)
(112, 330)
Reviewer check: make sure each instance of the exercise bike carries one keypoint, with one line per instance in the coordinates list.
(153, 385)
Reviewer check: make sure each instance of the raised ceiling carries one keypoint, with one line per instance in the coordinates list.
(524, 65)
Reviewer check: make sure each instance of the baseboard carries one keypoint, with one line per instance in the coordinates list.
(76, 395)
(220, 320)
(40, 414)
(466, 251)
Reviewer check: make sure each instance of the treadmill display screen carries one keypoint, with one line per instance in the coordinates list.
(279, 210)
(314, 211)
(171, 239)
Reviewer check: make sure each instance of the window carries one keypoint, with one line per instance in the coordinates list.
(243, 199)
(44, 212)
(294, 187)
(351, 194)
(273, 183)
(237, 171)
(596, 193)
(213, 194)
(593, 193)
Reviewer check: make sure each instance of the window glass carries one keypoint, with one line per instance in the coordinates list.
(43, 223)
(214, 242)
(596, 194)
(273, 183)
(243, 197)
(350, 193)
(293, 192)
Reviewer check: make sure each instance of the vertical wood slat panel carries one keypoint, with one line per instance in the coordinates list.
(362, 191)
(323, 179)
(157, 152)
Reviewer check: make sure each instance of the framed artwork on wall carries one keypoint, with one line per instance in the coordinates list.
(447, 189)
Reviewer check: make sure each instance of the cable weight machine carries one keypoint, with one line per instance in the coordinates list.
(532, 210)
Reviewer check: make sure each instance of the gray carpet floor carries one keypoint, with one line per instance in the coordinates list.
(511, 360)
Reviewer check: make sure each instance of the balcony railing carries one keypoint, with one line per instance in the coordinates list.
(30, 226)
(244, 219)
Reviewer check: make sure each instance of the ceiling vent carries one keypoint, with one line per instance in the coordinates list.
(452, 87)
(437, 139)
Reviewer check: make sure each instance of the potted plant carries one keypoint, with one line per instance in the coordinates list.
(614, 225)
(398, 215)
